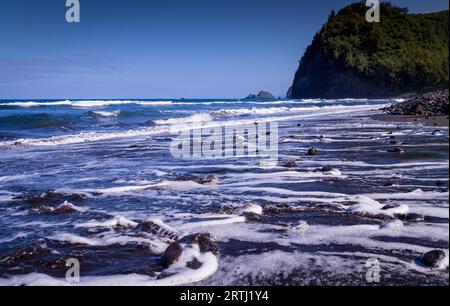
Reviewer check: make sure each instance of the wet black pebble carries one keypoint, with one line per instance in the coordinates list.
(313, 152)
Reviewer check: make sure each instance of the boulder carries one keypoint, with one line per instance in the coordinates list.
(313, 152)
(205, 241)
(159, 228)
(289, 164)
(171, 254)
(433, 259)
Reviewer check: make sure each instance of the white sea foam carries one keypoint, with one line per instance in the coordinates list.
(202, 117)
(163, 127)
(220, 220)
(14, 237)
(256, 111)
(117, 221)
(251, 208)
(12, 178)
(82, 138)
(104, 114)
(414, 195)
(178, 274)
(87, 103)
(6, 196)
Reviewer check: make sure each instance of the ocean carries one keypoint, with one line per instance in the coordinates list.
(84, 180)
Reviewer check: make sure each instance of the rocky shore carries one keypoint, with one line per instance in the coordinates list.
(431, 109)
(430, 104)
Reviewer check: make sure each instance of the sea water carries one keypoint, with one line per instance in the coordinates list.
(110, 162)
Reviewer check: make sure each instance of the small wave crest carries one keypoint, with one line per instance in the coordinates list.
(104, 114)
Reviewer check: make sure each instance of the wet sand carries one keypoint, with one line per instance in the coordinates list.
(426, 120)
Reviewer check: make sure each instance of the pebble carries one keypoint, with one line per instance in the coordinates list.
(313, 152)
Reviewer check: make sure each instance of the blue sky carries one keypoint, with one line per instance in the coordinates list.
(159, 48)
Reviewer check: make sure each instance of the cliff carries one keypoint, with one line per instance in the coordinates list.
(404, 54)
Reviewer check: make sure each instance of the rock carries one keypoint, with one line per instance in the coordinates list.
(65, 207)
(289, 93)
(289, 164)
(194, 264)
(159, 228)
(51, 198)
(313, 152)
(40, 247)
(439, 183)
(261, 95)
(433, 259)
(393, 225)
(327, 169)
(411, 217)
(431, 104)
(251, 209)
(276, 209)
(390, 206)
(396, 209)
(301, 227)
(171, 254)
(227, 210)
(205, 241)
(208, 180)
(397, 151)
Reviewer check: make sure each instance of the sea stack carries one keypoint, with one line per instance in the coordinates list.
(262, 95)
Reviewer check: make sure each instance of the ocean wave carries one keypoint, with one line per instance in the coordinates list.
(260, 111)
(86, 103)
(163, 126)
(32, 121)
(104, 114)
(100, 103)
(202, 117)
(81, 138)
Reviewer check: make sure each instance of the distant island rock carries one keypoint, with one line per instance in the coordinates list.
(261, 95)
(403, 55)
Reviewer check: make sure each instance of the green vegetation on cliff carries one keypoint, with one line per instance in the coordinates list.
(350, 57)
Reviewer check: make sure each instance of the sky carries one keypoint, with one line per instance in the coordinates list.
(133, 49)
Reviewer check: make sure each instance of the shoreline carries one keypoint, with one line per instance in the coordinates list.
(438, 121)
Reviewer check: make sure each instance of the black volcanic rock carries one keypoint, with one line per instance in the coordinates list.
(289, 93)
(433, 258)
(261, 95)
(430, 104)
(352, 58)
(171, 254)
(313, 152)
